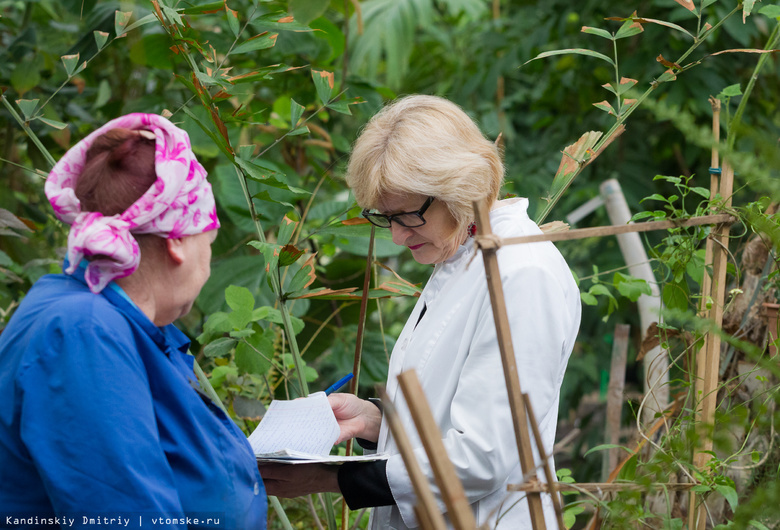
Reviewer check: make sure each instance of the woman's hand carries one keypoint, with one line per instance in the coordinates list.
(289, 481)
(357, 417)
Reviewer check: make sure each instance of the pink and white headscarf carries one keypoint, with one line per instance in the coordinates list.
(179, 203)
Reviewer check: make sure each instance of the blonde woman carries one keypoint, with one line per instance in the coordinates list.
(416, 168)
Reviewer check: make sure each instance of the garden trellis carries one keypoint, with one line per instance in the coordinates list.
(706, 379)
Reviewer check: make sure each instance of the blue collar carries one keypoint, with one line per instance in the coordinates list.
(166, 337)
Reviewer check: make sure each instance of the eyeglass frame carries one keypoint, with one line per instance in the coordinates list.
(368, 215)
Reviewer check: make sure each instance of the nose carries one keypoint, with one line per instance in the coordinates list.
(400, 233)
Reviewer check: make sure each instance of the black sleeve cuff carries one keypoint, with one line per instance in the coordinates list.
(364, 484)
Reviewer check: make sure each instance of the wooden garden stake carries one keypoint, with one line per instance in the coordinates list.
(508, 360)
(452, 493)
(702, 367)
(617, 380)
(708, 358)
(353, 387)
(551, 482)
(426, 510)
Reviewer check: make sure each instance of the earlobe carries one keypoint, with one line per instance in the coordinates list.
(175, 249)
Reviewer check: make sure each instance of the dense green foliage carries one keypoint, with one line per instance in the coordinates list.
(272, 104)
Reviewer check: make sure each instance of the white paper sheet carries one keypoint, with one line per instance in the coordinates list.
(306, 426)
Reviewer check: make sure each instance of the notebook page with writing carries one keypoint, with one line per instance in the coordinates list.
(302, 425)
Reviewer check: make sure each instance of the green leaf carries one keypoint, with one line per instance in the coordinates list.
(753, 522)
(729, 493)
(101, 37)
(306, 11)
(606, 107)
(300, 130)
(121, 18)
(323, 81)
(628, 471)
(770, 11)
(286, 229)
(704, 192)
(53, 123)
(289, 254)
(232, 18)
(258, 42)
(239, 298)
(296, 110)
(254, 354)
(588, 299)
(597, 31)
(604, 447)
(71, 63)
(242, 333)
(5, 260)
(151, 17)
(217, 324)
(266, 197)
(731, 91)
(628, 29)
(630, 287)
(270, 314)
(675, 296)
(747, 8)
(26, 76)
(575, 51)
(28, 106)
(172, 15)
(203, 9)
(270, 252)
(303, 278)
(221, 373)
(641, 215)
(280, 20)
(341, 106)
(241, 301)
(219, 348)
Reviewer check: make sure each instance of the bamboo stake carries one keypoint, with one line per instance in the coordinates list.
(427, 511)
(617, 378)
(552, 483)
(601, 487)
(706, 285)
(353, 388)
(509, 363)
(452, 493)
(709, 356)
(599, 231)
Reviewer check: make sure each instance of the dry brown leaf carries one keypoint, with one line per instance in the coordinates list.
(554, 226)
(687, 4)
(573, 154)
(355, 221)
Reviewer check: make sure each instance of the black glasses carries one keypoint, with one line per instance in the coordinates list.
(407, 219)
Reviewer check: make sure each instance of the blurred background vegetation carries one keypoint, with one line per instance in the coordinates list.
(273, 93)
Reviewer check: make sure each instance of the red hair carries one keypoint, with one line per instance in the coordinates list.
(119, 169)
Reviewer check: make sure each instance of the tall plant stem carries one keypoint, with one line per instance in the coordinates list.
(774, 40)
(277, 288)
(209, 390)
(28, 131)
(623, 117)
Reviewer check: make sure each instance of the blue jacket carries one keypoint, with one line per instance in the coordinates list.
(102, 418)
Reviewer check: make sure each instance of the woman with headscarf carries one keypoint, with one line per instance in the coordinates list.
(103, 421)
(416, 169)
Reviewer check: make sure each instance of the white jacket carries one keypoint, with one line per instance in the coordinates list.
(456, 356)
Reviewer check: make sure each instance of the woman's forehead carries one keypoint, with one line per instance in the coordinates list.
(399, 202)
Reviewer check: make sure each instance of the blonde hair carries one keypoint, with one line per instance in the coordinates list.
(425, 145)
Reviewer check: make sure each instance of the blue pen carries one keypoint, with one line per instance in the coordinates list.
(338, 384)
